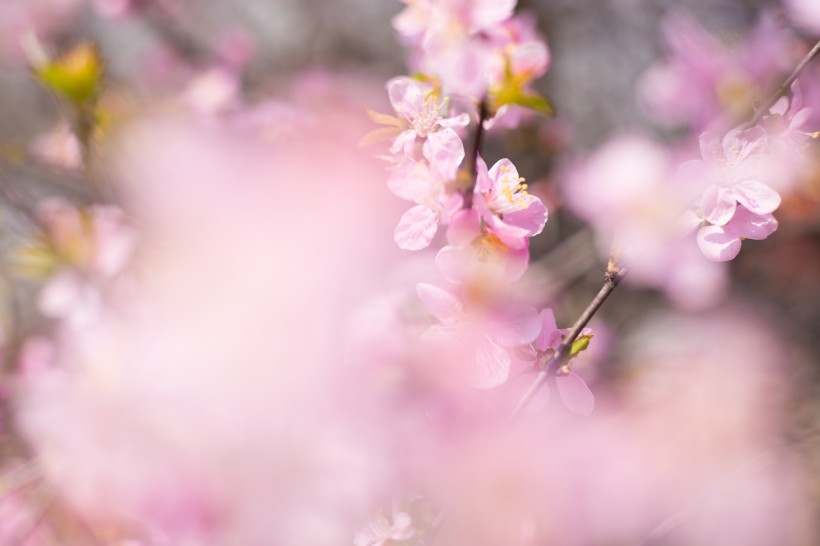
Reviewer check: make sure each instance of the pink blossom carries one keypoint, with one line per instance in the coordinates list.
(704, 81)
(722, 242)
(476, 254)
(59, 147)
(731, 170)
(91, 248)
(473, 47)
(509, 211)
(631, 194)
(487, 331)
(421, 114)
(416, 181)
(574, 392)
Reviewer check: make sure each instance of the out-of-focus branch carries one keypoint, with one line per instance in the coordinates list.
(784, 88)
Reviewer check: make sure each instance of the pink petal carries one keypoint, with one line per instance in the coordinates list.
(719, 244)
(461, 120)
(518, 385)
(449, 206)
(688, 222)
(445, 152)
(61, 295)
(465, 226)
(416, 228)
(444, 305)
(517, 261)
(488, 13)
(504, 175)
(533, 218)
(575, 394)
(405, 142)
(513, 237)
(718, 205)
(753, 226)
(515, 325)
(757, 197)
(407, 95)
(483, 181)
(492, 365)
(530, 58)
(550, 336)
(452, 263)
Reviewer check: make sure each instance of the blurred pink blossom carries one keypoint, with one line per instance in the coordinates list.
(705, 82)
(487, 331)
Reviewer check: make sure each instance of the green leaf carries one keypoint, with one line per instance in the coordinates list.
(579, 345)
(76, 76)
(535, 102)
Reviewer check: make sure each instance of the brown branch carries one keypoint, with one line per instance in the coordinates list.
(612, 278)
(483, 112)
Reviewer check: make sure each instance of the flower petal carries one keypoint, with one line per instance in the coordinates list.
(465, 226)
(550, 336)
(532, 218)
(515, 325)
(718, 205)
(575, 394)
(492, 365)
(753, 226)
(416, 228)
(756, 196)
(442, 304)
(445, 152)
(719, 243)
(452, 263)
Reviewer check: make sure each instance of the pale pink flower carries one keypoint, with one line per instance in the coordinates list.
(703, 81)
(572, 389)
(92, 248)
(731, 168)
(434, 20)
(721, 243)
(486, 332)
(58, 147)
(471, 46)
(791, 128)
(416, 181)
(631, 194)
(421, 113)
(508, 210)
(475, 253)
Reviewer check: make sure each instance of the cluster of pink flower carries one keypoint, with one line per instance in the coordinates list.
(653, 208)
(478, 56)
(213, 372)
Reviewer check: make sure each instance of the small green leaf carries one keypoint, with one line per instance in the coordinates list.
(535, 102)
(76, 76)
(579, 345)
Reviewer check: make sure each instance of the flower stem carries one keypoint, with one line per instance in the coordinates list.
(483, 112)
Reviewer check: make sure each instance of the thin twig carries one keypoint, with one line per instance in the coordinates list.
(784, 88)
(612, 278)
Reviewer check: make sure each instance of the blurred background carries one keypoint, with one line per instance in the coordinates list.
(768, 325)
